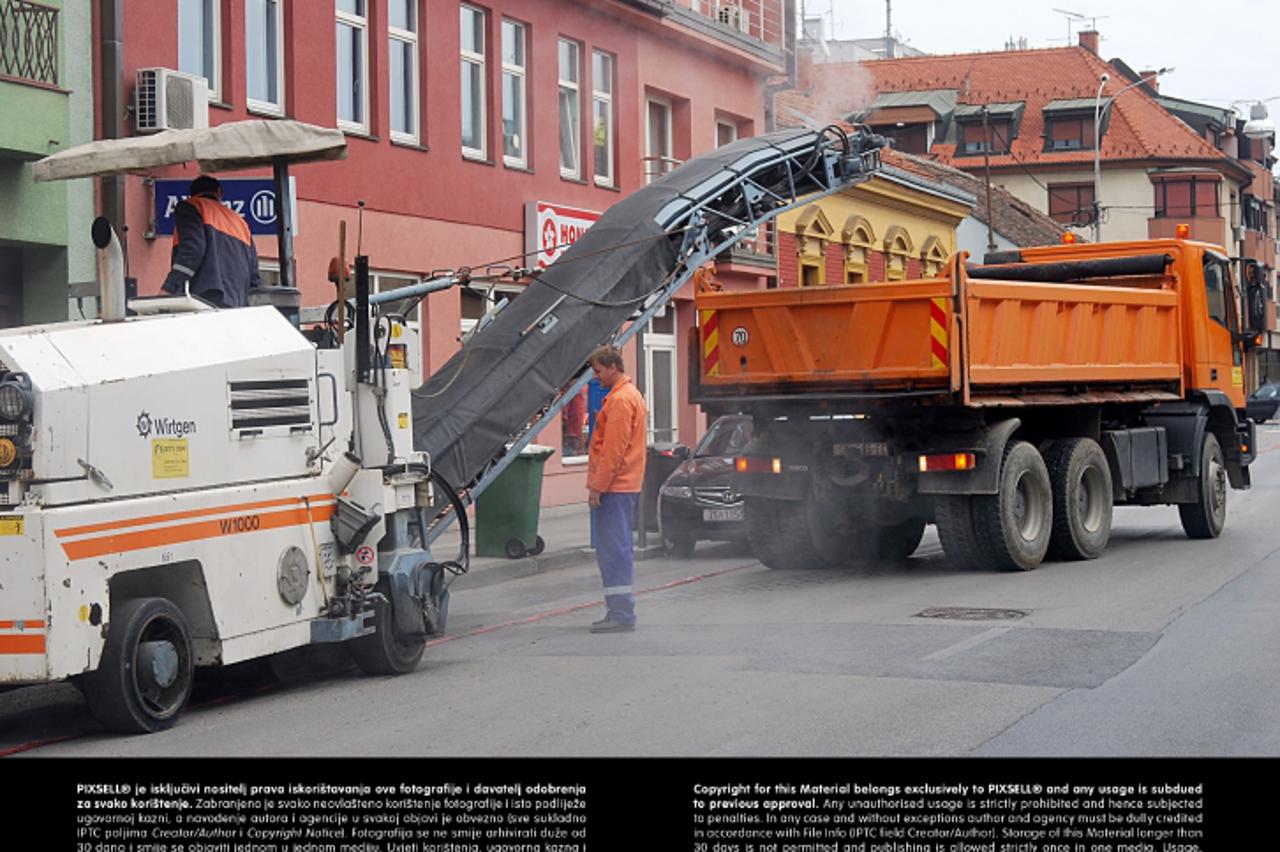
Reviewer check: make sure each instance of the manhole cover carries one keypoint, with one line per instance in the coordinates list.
(970, 613)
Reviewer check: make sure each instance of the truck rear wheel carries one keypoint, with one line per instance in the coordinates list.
(1015, 525)
(896, 542)
(144, 678)
(953, 514)
(386, 651)
(1206, 517)
(791, 534)
(1082, 499)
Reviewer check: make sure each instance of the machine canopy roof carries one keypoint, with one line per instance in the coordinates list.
(227, 147)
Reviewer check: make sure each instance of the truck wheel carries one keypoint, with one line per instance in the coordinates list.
(1082, 499)
(1015, 525)
(143, 681)
(386, 651)
(1206, 517)
(792, 534)
(896, 542)
(953, 514)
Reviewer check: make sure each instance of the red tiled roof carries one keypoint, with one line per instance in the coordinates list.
(1138, 128)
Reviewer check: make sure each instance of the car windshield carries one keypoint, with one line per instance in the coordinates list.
(1267, 391)
(725, 438)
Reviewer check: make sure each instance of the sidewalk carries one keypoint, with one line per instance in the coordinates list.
(567, 533)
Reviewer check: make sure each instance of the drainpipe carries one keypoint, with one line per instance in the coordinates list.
(114, 107)
(789, 51)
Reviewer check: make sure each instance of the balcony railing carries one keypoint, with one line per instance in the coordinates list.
(29, 42)
(757, 19)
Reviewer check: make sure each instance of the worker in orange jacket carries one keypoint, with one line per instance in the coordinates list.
(213, 253)
(615, 475)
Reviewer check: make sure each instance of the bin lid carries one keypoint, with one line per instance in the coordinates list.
(540, 452)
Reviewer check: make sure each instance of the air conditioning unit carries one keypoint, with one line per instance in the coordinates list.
(732, 15)
(169, 100)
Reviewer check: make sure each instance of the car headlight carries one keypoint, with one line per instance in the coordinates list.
(15, 397)
(682, 491)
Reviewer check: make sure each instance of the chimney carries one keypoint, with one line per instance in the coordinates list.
(1149, 76)
(1089, 40)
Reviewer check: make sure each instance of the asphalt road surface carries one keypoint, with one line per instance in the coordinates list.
(1164, 646)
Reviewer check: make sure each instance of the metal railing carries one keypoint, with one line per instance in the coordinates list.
(29, 41)
(758, 19)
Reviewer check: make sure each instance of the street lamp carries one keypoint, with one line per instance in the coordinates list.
(1099, 110)
(1259, 125)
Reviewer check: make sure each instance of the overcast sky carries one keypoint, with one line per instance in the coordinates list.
(1221, 50)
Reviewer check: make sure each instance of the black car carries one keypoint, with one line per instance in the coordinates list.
(700, 499)
(1262, 403)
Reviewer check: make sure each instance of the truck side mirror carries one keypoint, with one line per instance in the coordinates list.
(1256, 303)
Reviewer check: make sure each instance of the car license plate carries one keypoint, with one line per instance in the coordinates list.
(732, 514)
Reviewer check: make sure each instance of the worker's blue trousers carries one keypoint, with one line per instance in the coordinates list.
(613, 555)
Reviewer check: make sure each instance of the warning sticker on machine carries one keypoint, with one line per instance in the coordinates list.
(11, 525)
(170, 458)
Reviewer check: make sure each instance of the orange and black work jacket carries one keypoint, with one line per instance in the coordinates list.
(213, 250)
(615, 460)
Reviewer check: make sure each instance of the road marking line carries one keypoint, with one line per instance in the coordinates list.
(971, 642)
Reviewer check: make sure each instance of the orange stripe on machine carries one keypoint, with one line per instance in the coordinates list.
(248, 520)
(19, 643)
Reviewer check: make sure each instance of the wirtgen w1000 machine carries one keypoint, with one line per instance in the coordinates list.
(182, 486)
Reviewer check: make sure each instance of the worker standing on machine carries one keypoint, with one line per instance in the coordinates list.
(212, 248)
(615, 475)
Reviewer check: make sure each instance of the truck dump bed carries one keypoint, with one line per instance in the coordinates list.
(959, 338)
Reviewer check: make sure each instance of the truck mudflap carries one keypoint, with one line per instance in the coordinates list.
(24, 611)
(986, 444)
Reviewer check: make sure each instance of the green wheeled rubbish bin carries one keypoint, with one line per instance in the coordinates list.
(507, 512)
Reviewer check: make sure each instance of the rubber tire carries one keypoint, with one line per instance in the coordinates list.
(994, 517)
(1069, 462)
(539, 545)
(896, 543)
(679, 544)
(384, 652)
(953, 515)
(782, 535)
(515, 549)
(112, 691)
(1200, 519)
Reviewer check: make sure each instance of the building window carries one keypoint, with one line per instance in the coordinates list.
(602, 116)
(200, 40)
(570, 110)
(726, 132)
(810, 274)
(473, 77)
(973, 138)
(1187, 198)
(353, 65)
(1069, 133)
(1256, 216)
(660, 375)
(514, 120)
(402, 29)
(264, 55)
(1071, 203)
(657, 151)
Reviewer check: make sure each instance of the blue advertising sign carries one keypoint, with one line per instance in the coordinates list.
(253, 198)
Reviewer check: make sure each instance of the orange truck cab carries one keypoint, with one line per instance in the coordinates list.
(1012, 403)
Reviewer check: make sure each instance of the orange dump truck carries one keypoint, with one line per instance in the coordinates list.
(1012, 403)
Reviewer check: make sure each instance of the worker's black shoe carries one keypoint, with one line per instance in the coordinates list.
(608, 625)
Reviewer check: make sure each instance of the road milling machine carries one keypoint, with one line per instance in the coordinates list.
(185, 487)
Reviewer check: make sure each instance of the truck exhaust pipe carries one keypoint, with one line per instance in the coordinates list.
(343, 471)
(110, 262)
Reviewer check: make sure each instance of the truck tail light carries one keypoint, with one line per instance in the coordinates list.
(1183, 231)
(1068, 238)
(757, 464)
(948, 461)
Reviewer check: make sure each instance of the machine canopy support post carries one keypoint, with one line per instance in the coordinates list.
(362, 318)
(284, 220)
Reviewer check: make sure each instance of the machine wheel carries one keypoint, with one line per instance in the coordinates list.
(953, 514)
(1206, 517)
(1082, 499)
(1014, 525)
(895, 543)
(144, 678)
(386, 651)
(679, 543)
(538, 546)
